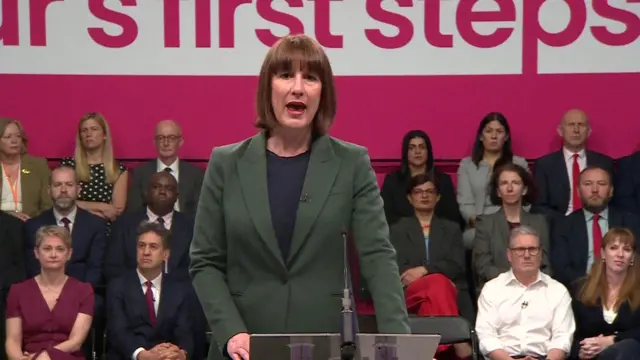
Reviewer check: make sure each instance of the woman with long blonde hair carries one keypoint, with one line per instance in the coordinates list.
(606, 302)
(102, 178)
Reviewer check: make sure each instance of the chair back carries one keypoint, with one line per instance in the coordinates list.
(452, 329)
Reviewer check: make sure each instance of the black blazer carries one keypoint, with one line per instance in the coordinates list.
(88, 236)
(590, 322)
(129, 326)
(570, 242)
(189, 184)
(627, 189)
(122, 250)
(552, 179)
(446, 251)
(396, 204)
(12, 259)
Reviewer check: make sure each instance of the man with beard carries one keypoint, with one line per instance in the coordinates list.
(88, 236)
(160, 196)
(88, 231)
(576, 241)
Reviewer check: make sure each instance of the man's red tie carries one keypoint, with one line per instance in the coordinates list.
(575, 175)
(150, 306)
(66, 222)
(597, 235)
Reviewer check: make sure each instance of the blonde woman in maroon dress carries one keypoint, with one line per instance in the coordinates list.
(49, 316)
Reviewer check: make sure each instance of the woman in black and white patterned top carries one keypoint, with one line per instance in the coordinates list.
(102, 178)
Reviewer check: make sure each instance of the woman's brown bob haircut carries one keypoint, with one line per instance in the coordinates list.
(527, 182)
(296, 53)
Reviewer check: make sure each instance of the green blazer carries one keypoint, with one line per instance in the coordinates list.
(238, 271)
(34, 184)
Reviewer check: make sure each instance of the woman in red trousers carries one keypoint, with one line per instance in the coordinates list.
(430, 256)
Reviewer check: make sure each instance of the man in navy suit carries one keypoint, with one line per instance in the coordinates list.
(88, 235)
(88, 231)
(161, 196)
(556, 174)
(576, 240)
(627, 194)
(148, 311)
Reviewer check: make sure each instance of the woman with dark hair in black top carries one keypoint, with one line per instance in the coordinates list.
(417, 158)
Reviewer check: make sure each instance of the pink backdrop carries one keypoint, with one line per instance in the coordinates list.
(373, 111)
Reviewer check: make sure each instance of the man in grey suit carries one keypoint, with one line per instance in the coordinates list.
(168, 140)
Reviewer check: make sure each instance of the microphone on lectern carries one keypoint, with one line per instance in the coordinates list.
(347, 333)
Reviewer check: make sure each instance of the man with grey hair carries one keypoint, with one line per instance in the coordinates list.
(524, 313)
(556, 174)
(168, 141)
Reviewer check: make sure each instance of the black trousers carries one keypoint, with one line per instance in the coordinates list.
(628, 349)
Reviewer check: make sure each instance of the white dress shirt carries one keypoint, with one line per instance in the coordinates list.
(71, 217)
(568, 161)
(154, 218)
(156, 287)
(524, 320)
(175, 171)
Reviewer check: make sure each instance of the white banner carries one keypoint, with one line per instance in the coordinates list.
(362, 37)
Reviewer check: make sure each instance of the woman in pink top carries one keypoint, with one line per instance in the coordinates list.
(49, 316)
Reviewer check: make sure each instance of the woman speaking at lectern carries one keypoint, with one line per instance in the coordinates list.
(267, 252)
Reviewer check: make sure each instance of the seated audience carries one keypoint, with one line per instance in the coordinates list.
(577, 238)
(627, 195)
(12, 267)
(511, 187)
(149, 315)
(49, 316)
(607, 303)
(417, 158)
(25, 178)
(168, 141)
(524, 313)
(161, 195)
(491, 149)
(103, 180)
(556, 174)
(430, 257)
(88, 231)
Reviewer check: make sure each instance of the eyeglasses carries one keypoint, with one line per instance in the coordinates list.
(170, 138)
(520, 251)
(429, 192)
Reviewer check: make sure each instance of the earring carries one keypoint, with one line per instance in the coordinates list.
(631, 263)
(603, 261)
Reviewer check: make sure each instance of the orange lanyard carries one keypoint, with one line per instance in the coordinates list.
(14, 187)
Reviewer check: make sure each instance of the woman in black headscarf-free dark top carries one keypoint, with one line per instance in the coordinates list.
(417, 158)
